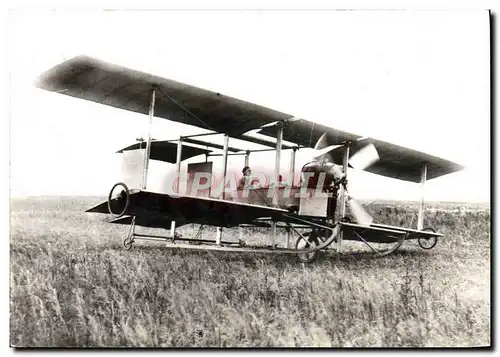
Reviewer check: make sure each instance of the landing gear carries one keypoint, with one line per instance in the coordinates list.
(427, 243)
(387, 248)
(120, 202)
(129, 240)
(307, 241)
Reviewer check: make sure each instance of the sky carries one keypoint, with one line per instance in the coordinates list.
(419, 79)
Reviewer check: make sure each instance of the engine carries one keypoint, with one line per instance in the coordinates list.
(316, 174)
(326, 178)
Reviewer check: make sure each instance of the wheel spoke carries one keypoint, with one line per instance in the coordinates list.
(304, 242)
(429, 242)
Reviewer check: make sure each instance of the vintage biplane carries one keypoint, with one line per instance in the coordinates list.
(314, 209)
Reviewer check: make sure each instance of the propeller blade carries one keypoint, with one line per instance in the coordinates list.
(364, 158)
(323, 149)
(269, 125)
(322, 142)
(362, 217)
(321, 154)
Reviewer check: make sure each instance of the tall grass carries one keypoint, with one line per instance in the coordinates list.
(72, 284)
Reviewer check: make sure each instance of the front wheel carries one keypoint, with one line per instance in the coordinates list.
(307, 241)
(121, 202)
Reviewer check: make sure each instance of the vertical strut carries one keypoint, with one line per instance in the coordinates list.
(224, 158)
(148, 145)
(273, 234)
(178, 180)
(344, 193)
(277, 161)
(247, 163)
(344, 196)
(131, 231)
(292, 167)
(247, 158)
(275, 191)
(178, 165)
(288, 236)
(218, 236)
(210, 187)
(423, 178)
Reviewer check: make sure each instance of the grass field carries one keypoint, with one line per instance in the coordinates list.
(72, 284)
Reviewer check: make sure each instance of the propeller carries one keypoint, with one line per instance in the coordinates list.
(323, 149)
(360, 160)
(362, 217)
(364, 157)
(325, 154)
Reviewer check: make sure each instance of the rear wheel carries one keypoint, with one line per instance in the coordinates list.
(427, 243)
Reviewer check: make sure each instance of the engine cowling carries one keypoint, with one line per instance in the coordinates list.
(316, 174)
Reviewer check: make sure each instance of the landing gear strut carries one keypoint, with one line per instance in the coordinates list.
(129, 240)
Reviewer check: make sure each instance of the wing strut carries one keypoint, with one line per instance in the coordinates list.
(276, 178)
(148, 145)
(344, 194)
(420, 222)
(277, 162)
(292, 167)
(178, 165)
(247, 158)
(178, 179)
(218, 236)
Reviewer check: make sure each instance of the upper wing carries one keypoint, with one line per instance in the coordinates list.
(190, 209)
(91, 79)
(405, 164)
(306, 133)
(395, 161)
(88, 78)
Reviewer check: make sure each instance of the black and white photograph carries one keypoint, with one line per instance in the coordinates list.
(250, 178)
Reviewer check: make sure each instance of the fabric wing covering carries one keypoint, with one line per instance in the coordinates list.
(94, 80)
(406, 164)
(395, 161)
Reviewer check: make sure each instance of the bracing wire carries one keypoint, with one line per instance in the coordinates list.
(186, 110)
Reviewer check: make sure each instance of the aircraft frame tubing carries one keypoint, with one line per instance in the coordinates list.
(240, 246)
(132, 236)
(236, 246)
(179, 238)
(382, 253)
